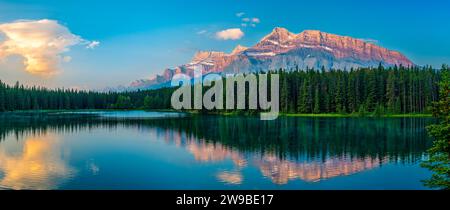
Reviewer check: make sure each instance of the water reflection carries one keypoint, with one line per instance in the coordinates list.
(308, 149)
(38, 166)
(281, 171)
(230, 177)
(288, 149)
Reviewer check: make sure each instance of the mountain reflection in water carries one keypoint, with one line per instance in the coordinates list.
(34, 154)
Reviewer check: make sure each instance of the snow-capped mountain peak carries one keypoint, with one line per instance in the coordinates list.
(284, 49)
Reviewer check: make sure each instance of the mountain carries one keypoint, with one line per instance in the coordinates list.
(284, 49)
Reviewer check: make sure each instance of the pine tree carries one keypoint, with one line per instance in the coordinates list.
(316, 101)
(391, 93)
(284, 103)
(147, 102)
(439, 153)
(339, 96)
(350, 92)
(305, 97)
(371, 101)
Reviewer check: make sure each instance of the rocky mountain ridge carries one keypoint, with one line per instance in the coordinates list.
(284, 49)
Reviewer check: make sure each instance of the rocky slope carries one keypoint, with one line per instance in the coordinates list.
(283, 49)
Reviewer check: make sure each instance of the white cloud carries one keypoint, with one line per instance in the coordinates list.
(92, 45)
(240, 14)
(255, 20)
(202, 32)
(230, 34)
(246, 19)
(244, 24)
(253, 25)
(40, 42)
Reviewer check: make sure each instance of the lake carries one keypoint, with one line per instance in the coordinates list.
(157, 150)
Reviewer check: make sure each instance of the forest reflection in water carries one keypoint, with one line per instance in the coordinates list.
(34, 153)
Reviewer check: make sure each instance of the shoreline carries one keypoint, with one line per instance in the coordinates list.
(358, 116)
(323, 115)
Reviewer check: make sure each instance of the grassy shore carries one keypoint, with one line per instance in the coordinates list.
(329, 115)
(356, 115)
(57, 110)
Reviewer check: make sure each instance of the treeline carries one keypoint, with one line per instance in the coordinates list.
(19, 97)
(393, 90)
(381, 90)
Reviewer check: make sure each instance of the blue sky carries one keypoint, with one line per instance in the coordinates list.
(141, 38)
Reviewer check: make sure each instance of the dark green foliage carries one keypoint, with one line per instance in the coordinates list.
(123, 102)
(439, 160)
(375, 91)
(371, 91)
(18, 97)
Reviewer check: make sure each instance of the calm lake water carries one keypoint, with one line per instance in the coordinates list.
(154, 150)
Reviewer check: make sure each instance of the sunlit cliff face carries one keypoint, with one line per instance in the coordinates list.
(39, 165)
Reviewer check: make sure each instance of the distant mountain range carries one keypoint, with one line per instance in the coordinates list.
(283, 49)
